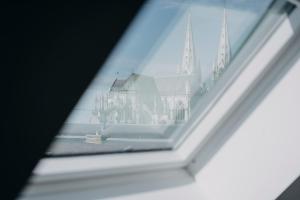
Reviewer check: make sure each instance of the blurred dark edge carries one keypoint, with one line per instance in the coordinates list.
(50, 53)
(292, 192)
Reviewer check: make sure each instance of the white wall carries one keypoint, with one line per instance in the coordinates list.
(263, 156)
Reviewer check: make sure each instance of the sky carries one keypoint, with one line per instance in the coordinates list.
(153, 43)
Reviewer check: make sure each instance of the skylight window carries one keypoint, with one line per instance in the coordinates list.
(170, 58)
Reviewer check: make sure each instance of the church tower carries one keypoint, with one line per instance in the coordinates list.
(223, 56)
(189, 68)
(188, 64)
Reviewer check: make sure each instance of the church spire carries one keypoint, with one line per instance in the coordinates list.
(223, 56)
(188, 60)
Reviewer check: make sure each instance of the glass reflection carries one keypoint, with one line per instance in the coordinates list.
(171, 56)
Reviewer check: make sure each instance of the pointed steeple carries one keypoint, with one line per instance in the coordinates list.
(223, 56)
(188, 60)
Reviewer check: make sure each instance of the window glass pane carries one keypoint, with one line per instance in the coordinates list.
(171, 57)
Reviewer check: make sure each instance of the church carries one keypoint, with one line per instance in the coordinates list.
(142, 99)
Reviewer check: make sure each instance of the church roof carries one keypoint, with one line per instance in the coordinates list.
(117, 85)
(135, 82)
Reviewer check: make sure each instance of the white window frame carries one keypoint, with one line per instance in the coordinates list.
(266, 47)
